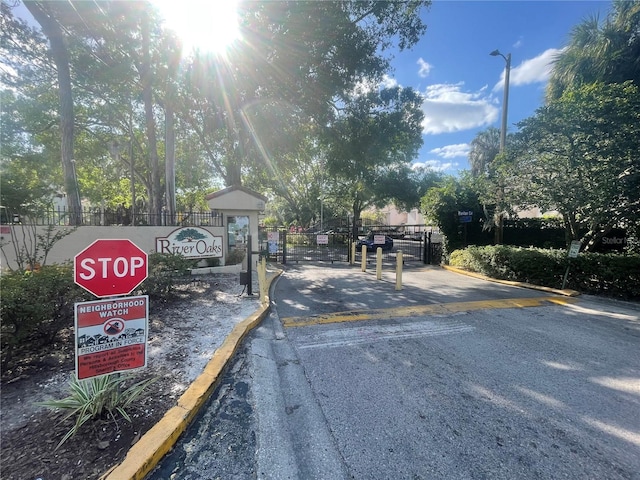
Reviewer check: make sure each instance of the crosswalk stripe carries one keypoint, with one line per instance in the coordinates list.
(376, 333)
(416, 310)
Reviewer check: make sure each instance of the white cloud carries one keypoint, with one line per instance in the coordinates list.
(452, 151)
(425, 68)
(534, 70)
(518, 43)
(388, 82)
(447, 108)
(368, 85)
(436, 165)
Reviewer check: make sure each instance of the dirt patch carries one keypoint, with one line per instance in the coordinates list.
(183, 335)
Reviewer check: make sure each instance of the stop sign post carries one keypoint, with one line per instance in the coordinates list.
(110, 267)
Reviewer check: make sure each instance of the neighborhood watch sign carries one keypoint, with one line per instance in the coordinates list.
(190, 242)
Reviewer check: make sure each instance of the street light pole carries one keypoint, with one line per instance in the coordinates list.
(503, 136)
(505, 101)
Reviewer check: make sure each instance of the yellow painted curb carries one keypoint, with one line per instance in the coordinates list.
(156, 443)
(566, 292)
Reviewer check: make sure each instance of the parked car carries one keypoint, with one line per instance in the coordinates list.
(414, 236)
(372, 247)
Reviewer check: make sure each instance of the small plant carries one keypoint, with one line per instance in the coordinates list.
(165, 272)
(234, 257)
(31, 248)
(95, 398)
(213, 262)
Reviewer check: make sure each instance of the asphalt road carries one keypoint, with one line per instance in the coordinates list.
(450, 377)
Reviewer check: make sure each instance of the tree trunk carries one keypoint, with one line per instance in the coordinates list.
(51, 28)
(170, 134)
(357, 210)
(170, 161)
(155, 200)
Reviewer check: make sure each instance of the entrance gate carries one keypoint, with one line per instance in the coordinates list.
(420, 244)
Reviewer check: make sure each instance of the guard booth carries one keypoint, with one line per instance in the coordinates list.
(240, 208)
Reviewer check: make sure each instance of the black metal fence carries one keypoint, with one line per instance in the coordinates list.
(284, 245)
(113, 216)
(292, 246)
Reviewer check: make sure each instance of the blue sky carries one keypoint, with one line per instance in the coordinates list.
(462, 83)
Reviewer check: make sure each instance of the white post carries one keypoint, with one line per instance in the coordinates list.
(399, 270)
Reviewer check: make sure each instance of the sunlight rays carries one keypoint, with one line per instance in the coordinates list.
(202, 25)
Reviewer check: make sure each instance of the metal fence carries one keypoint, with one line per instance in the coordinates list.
(284, 245)
(287, 246)
(113, 216)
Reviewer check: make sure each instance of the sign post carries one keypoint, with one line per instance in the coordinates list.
(465, 217)
(574, 250)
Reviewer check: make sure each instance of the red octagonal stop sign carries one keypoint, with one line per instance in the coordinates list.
(110, 267)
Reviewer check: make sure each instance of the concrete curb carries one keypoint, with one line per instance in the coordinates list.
(557, 291)
(156, 443)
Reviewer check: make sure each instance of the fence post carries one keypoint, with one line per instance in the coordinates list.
(284, 247)
(379, 263)
(249, 267)
(399, 270)
(424, 246)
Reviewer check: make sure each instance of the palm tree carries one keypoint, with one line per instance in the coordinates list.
(607, 52)
(484, 149)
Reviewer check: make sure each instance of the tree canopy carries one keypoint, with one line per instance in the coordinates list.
(579, 155)
(233, 117)
(370, 145)
(600, 51)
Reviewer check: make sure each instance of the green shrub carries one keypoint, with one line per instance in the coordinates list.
(165, 272)
(36, 306)
(234, 257)
(606, 274)
(603, 274)
(97, 398)
(213, 262)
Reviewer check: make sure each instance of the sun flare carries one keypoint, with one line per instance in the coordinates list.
(205, 25)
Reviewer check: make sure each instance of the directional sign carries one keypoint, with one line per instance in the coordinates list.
(110, 267)
(574, 249)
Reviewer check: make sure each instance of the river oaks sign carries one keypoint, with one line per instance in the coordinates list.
(190, 242)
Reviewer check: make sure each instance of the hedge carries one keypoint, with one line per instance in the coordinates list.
(612, 275)
(38, 305)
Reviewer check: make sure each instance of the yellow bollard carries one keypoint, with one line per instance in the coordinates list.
(262, 278)
(364, 258)
(353, 253)
(379, 263)
(399, 270)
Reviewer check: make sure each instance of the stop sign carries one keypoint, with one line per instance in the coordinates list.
(110, 267)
